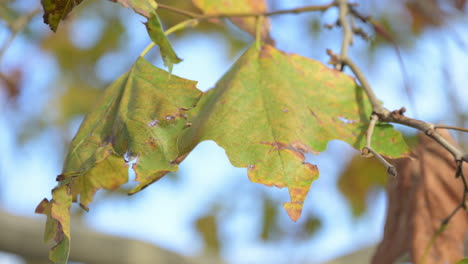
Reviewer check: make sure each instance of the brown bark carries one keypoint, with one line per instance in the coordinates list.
(423, 194)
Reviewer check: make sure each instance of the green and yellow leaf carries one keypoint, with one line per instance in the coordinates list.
(147, 8)
(157, 35)
(271, 108)
(140, 115)
(57, 10)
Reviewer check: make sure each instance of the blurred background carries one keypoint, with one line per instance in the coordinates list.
(209, 212)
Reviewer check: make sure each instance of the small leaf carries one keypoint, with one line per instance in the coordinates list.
(462, 261)
(239, 6)
(156, 33)
(56, 10)
(271, 108)
(147, 8)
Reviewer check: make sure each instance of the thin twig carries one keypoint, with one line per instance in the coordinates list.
(347, 32)
(387, 36)
(368, 151)
(452, 127)
(396, 116)
(462, 204)
(246, 14)
(370, 130)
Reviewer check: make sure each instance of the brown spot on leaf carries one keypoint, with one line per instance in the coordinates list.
(152, 143)
(298, 194)
(276, 145)
(285, 110)
(42, 206)
(297, 145)
(316, 116)
(266, 51)
(60, 177)
(298, 154)
(294, 210)
(311, 167)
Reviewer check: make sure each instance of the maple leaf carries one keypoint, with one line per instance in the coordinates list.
(247, 24)
(271, 108)
(139, 116)
(57, 10)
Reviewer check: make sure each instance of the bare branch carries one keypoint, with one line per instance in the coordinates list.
(452, 127)
(347, 31)
(247, 14)
(368, 151)
(462, 204)
(384, 114)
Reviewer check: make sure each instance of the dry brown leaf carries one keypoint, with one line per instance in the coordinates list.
(424, 193)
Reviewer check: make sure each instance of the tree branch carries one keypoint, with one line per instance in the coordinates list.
(384, 114)
(452, 127)
(368, 151)
(347, 32)
(246, 14)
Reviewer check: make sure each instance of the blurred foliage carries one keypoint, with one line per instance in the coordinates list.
(207, 227)
(359, 177)
(363, 176)
(274, 230)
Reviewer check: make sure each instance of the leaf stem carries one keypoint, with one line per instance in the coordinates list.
(368, 151)
(177, 27)
(462, 204)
